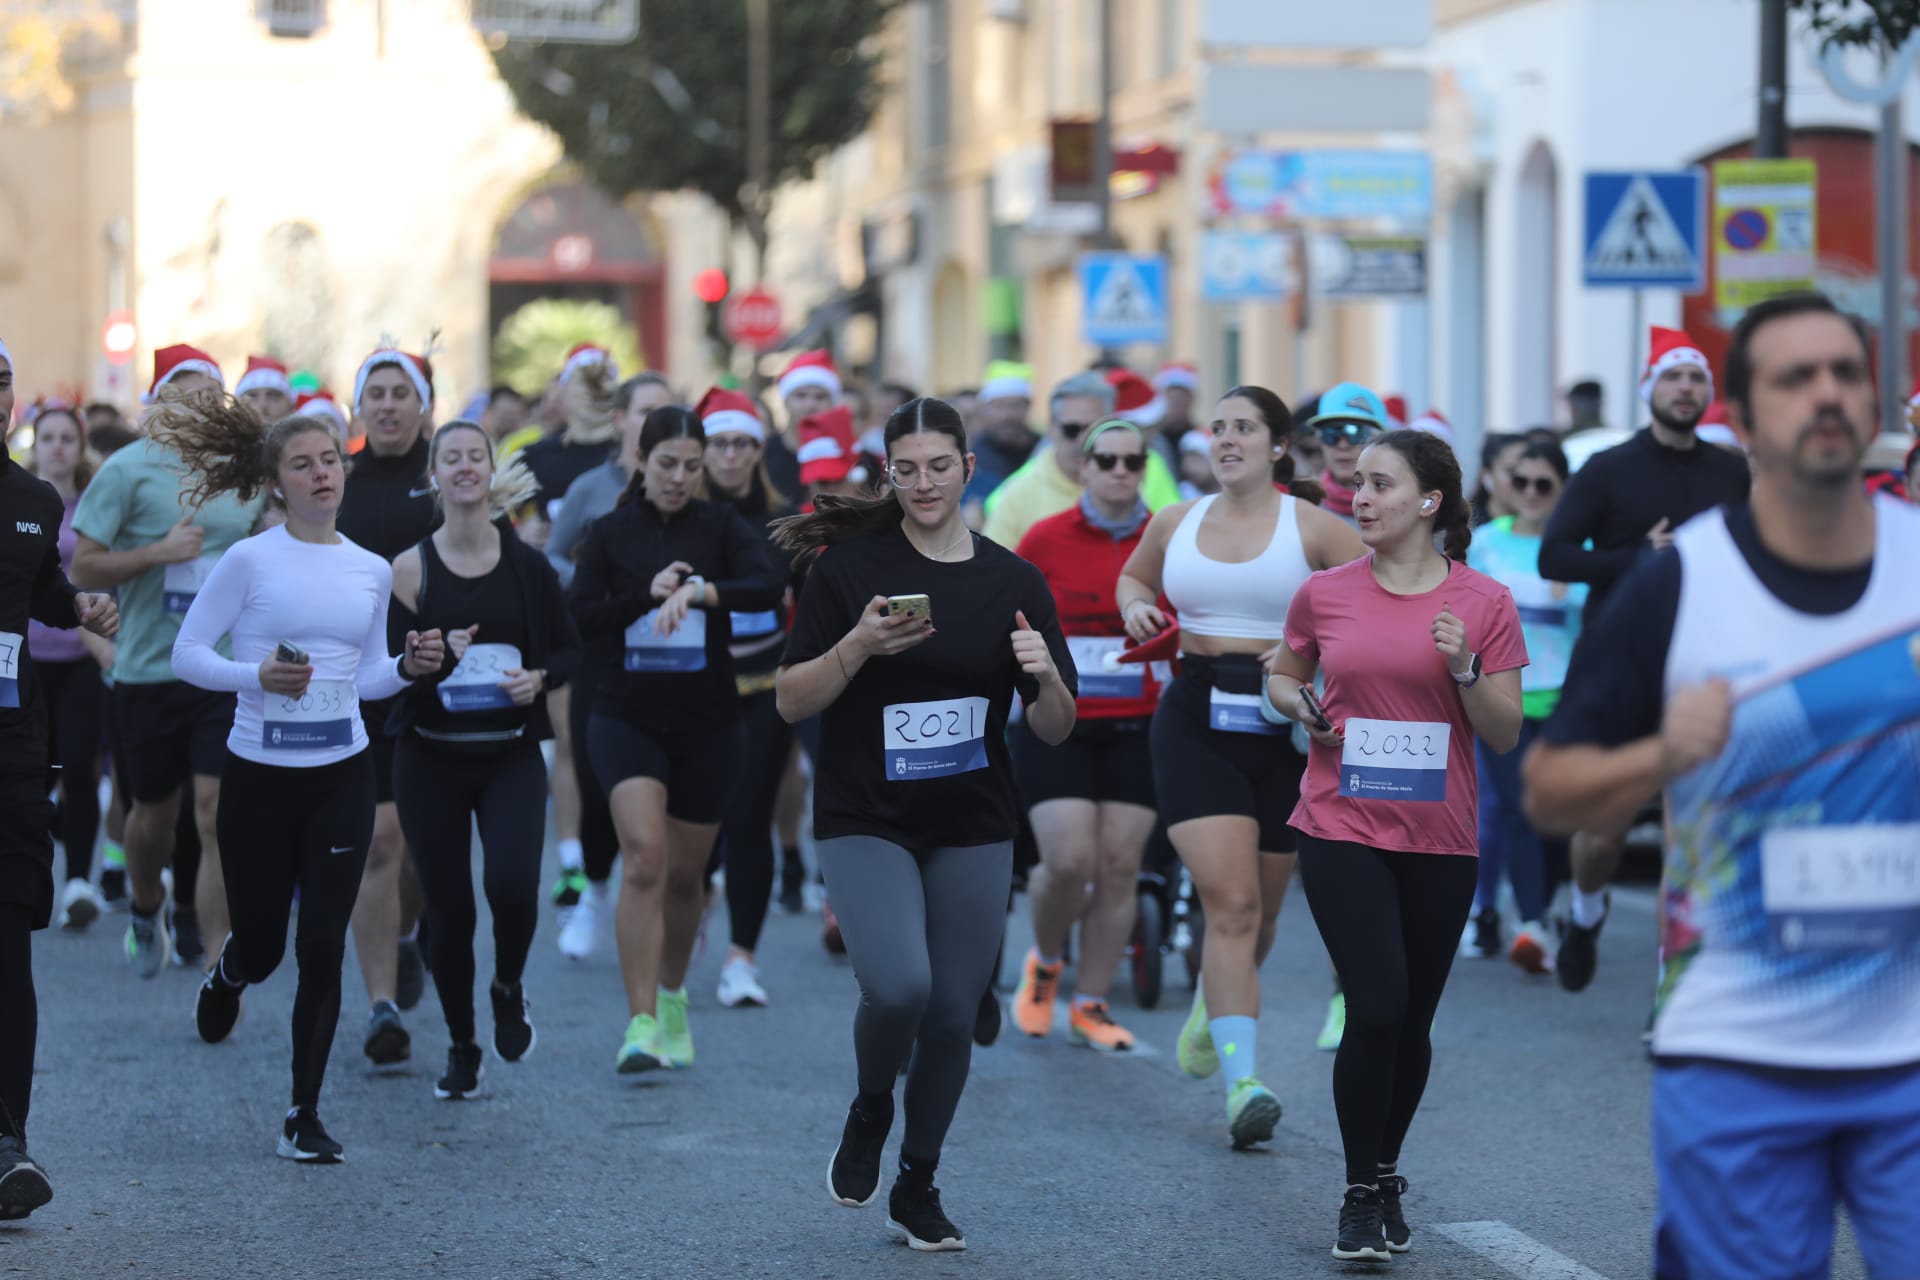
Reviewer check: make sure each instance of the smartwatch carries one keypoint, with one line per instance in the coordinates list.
(698, 583)
(1471, 678)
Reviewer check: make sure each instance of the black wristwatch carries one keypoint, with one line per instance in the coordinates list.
(1472, 677)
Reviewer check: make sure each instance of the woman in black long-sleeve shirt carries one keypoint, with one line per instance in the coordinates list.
(655, 585)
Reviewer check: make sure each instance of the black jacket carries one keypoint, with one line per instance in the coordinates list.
(553, 643)
(32, 584)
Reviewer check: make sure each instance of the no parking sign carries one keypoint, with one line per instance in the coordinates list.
(1765, 236)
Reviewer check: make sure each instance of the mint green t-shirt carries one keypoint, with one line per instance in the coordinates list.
(137, 496)
(1549, 611)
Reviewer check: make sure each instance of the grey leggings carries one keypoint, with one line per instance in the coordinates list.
(923, 932)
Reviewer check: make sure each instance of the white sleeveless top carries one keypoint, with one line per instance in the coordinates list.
(1246, 601)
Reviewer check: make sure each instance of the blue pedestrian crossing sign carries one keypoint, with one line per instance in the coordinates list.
(1646, 231)
(1123, 298)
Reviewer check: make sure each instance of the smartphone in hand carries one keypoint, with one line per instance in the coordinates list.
(913, 606)
(290, 653)
(1314, 709)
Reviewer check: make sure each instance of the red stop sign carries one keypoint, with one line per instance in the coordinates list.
(753, 318)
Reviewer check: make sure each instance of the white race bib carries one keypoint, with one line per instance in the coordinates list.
(935, 739)
(183, 582)
(1102, 674)
(317, 720)
(11, 647)
(1853, 888)
(1395, 760)
(1238, 713)
(474, 685)
(684, 650)
(751, 626)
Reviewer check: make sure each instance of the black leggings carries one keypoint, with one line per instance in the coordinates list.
(75, 705)
(599, 843)
(285, 828)
(19, 1017)
(745, 847)
(439, 795)
(1391, 922)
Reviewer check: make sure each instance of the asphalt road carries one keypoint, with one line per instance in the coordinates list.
(1530, 1158)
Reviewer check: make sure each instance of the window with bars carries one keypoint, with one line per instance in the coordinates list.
(297, 19)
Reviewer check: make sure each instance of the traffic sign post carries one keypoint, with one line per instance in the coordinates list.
(1123, 298)
(1644, 231)
(753, 319)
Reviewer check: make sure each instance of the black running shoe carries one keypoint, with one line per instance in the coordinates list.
(218, 1005)
(986, 1020)
(113, 888)
(462, 1079)
(387, 1038)
(793, 878)
(189, 948)
(23, 1183)
(412, 981)
(1580, 953)
(853, 1179)
(1393, 1223)
(303, 1139)
(1483, 935)
(1362, 1234)
(914, 1214)
(513, 1037)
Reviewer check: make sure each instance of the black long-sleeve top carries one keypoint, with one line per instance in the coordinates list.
(1617, 499)
(612, 590)
(32, 585)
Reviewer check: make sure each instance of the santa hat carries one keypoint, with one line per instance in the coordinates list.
(1434, 423)
(827, 450)
(264, 373)
(722, 410)
(1396, 411)
(1196, 441)
(1179, 375)
(415, 367)
(811, 369)
(1134, 400)
(1007, 380)
(586, 353)
(313, 404)
(1669, 349)
(170, 362)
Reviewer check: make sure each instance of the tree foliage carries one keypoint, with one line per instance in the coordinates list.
(668, 111)
(36, 41)
(533, 342)
(1885, 24)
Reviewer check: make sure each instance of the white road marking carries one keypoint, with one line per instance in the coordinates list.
(1515, 1252)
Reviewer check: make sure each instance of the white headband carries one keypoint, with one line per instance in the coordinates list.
(735, 420)
(263, 380)
(821, 448)
(400, 360)
(810, 375)
(185, 366)
(1673, 360)
(1176, 377)
(1003, 388)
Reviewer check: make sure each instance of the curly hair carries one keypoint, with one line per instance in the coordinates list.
(225, 444)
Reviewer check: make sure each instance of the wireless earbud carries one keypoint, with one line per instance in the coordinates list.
(433, 483)
(1427, 505)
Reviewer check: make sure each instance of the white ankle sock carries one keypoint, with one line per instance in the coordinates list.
(1589, 909)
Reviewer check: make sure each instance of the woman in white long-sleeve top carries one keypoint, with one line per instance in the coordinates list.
(305, 611)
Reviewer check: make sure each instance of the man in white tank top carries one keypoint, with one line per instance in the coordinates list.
(1765, 673)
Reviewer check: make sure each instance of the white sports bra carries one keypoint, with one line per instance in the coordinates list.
(1245, 601)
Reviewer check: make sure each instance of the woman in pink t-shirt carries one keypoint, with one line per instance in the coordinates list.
(1420, 655)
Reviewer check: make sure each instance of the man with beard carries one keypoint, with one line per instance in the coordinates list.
(1627, 501)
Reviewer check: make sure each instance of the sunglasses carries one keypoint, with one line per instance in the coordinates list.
(1334, 433)
(1072, 430)
(1134, 462)
(1542, 485)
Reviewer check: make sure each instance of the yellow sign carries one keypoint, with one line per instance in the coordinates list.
(1765, 233)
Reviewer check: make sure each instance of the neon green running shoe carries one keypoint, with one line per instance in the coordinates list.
(1195, 1050)
(1252, 1112)
(568, 888)
(1334, 1029)
(676, 1042)
(641, 1052)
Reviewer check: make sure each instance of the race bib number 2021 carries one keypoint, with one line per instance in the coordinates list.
(935, 739)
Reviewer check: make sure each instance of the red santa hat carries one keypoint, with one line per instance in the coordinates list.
(1184, 376)
(722, 410)
(315, 404)
(1396, 411)
(811, 369)
(264, 373)
(170, 362)
(1135, 400)
(415, 367)
(1669, 349)
(586, 353)
(828, 453)
(1434, 423)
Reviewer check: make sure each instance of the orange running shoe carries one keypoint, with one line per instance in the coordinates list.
(1091, 1027)
(1033, 1001)
(1532, 949)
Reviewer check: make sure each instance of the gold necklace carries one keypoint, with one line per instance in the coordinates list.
(965, 534)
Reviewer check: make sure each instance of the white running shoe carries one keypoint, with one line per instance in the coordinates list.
(80, 904)
(740, 984)
(581, 938)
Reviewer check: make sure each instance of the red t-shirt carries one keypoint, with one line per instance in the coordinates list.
(1081, 564)
(1405, 779)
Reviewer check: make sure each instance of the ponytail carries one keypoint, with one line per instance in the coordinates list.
(835, 518)
(225, 445)
(1459, 528)
(1435, 468)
